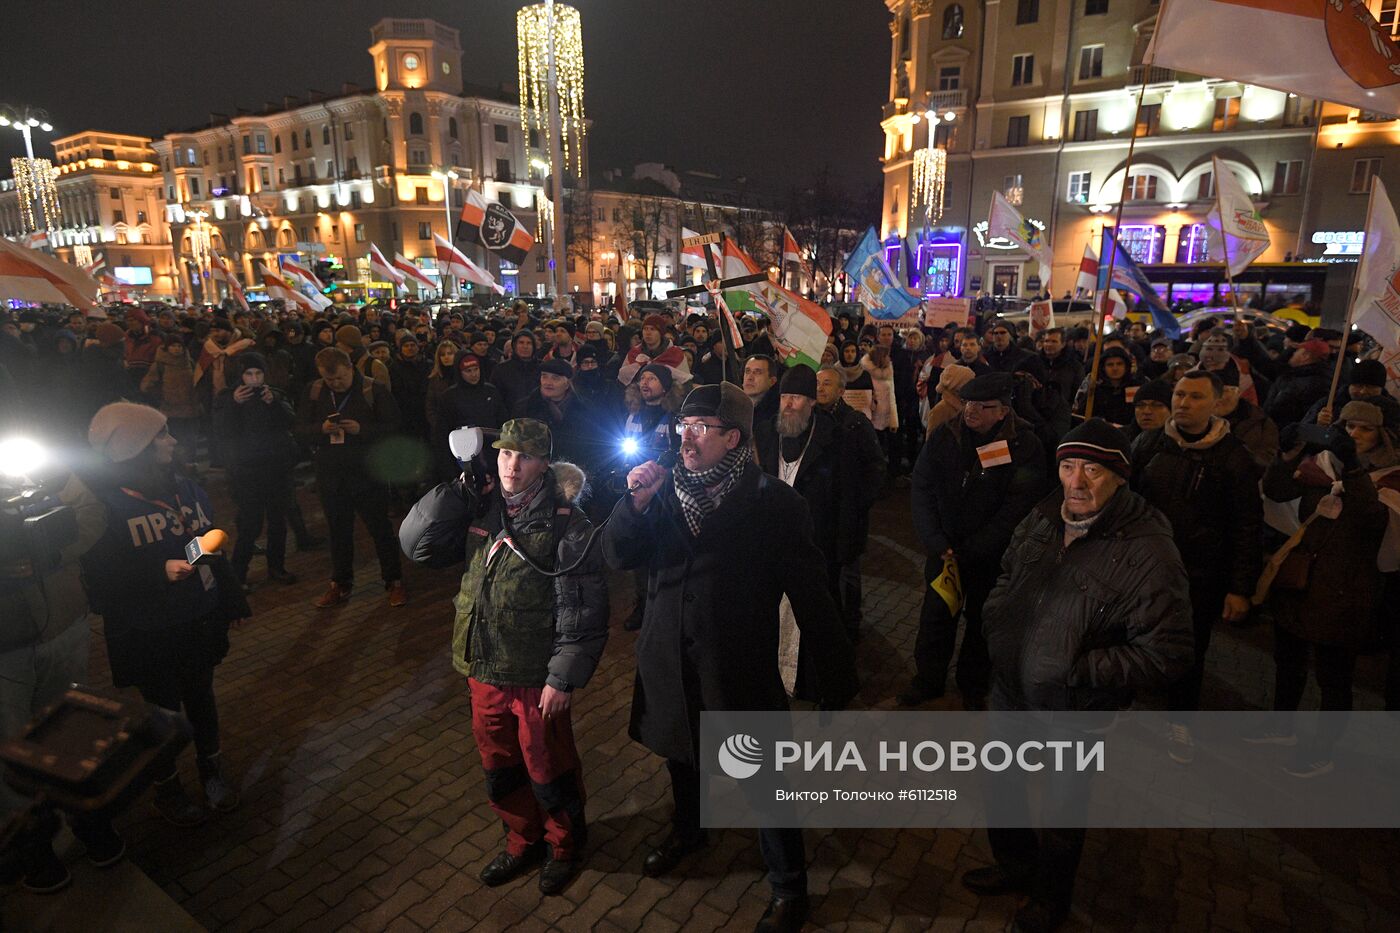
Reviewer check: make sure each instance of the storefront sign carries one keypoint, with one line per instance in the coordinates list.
(1340, 242)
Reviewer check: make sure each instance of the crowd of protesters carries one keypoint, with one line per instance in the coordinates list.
(1217, 479)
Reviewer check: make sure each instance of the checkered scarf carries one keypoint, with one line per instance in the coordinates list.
(697, 503)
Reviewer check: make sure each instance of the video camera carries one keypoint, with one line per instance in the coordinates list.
(90, 752)
(34, 525)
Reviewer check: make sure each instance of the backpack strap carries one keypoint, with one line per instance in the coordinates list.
(562, 516)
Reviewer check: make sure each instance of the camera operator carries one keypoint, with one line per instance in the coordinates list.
(525, 639)
(44, 649)
(165, 621)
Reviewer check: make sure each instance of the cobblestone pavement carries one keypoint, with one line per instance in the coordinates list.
(364, 805)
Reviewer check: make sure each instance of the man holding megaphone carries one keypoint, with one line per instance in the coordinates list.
(531, 623)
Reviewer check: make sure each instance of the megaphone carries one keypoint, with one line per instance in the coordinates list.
(466, 443)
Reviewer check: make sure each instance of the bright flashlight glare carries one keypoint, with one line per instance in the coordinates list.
(630, 447)
(21, 456)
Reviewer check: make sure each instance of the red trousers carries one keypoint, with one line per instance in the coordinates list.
(533, 776)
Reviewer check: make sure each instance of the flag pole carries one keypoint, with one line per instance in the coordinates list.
(1351, 306)
(1102, 295)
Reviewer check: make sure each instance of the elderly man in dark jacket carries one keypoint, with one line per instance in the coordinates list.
(802, 447)
(1091, 605)
(530, 627)
(977, 476)
(1204, 480)
(572, 421)
(710, 635)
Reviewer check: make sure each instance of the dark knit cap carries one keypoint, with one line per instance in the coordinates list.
(1297, 333)
(1116, 353)
(1158, 390)
(988, 387)
(1097, 441)
(586, 352)
(1368, 373)
(799, 380)
(657, 321)
(724, 401)
(251, 360)
(662, 374)
(558, 367)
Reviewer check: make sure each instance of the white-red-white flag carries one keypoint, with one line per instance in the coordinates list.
(1088, 278)
(453, 262)
(222, 273)
(412, 273)
(383, 268)
(301, 279)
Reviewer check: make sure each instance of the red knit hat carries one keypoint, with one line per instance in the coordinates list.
(657, 321)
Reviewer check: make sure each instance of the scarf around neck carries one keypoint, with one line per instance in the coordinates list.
(693, 489)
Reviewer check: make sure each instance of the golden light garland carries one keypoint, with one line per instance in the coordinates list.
(34, 181)
(930, 172)
(533, 28)
(544, 215)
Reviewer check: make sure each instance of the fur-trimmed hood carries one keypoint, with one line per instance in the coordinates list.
(569, 479)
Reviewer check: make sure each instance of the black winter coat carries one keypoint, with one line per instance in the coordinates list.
(516, 379)
(960, 505)
(1065, 371)
(578, 434)
(828, 480)
(255, 435)
(1081, 627)
(1294, 391)
(1211, 497)
(712, 609)
(857, 435)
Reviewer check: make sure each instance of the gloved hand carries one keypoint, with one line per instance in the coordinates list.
(1344, 449)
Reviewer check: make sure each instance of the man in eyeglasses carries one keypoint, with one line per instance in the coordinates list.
(710, 632)
(976, 478)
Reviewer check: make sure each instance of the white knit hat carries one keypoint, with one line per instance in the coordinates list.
(122, 430)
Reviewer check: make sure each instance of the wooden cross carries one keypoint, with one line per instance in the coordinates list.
(714, 285)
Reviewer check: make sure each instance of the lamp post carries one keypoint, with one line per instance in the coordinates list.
(33, 177)
(930, 176)
(447, 178)
(199, 251)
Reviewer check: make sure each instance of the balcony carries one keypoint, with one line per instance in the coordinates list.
(947, 100)
(1151, 74)
(929, 100)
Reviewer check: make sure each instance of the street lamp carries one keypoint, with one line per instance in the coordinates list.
(34, 178)
(447, 178)
(544, 210)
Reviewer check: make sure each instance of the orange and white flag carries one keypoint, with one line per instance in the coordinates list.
(222, 273)
(995, 454)
(381, 267)
(412, 273)
(1320, 49)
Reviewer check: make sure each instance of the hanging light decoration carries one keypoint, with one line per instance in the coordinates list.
(930, 171)
(34, 181)
(544, 214)
(533, 27)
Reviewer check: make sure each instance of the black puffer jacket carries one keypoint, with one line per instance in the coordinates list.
(1081, 627)
(255, 435)
(1209, 491)
(959, 504)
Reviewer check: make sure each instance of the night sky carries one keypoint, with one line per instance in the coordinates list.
(771, 89)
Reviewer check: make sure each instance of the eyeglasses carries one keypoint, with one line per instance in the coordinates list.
(971, 407)
(698, 428)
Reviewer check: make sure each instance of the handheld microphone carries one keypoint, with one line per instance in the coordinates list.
(665, 460)
(205, 547)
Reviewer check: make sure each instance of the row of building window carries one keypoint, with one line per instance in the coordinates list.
(1085, 123)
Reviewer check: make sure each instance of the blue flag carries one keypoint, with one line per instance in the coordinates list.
(1128, 277)
(871, 281)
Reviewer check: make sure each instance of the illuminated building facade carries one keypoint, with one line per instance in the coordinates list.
(327, 175)
(111, 208)
(1043, 95)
